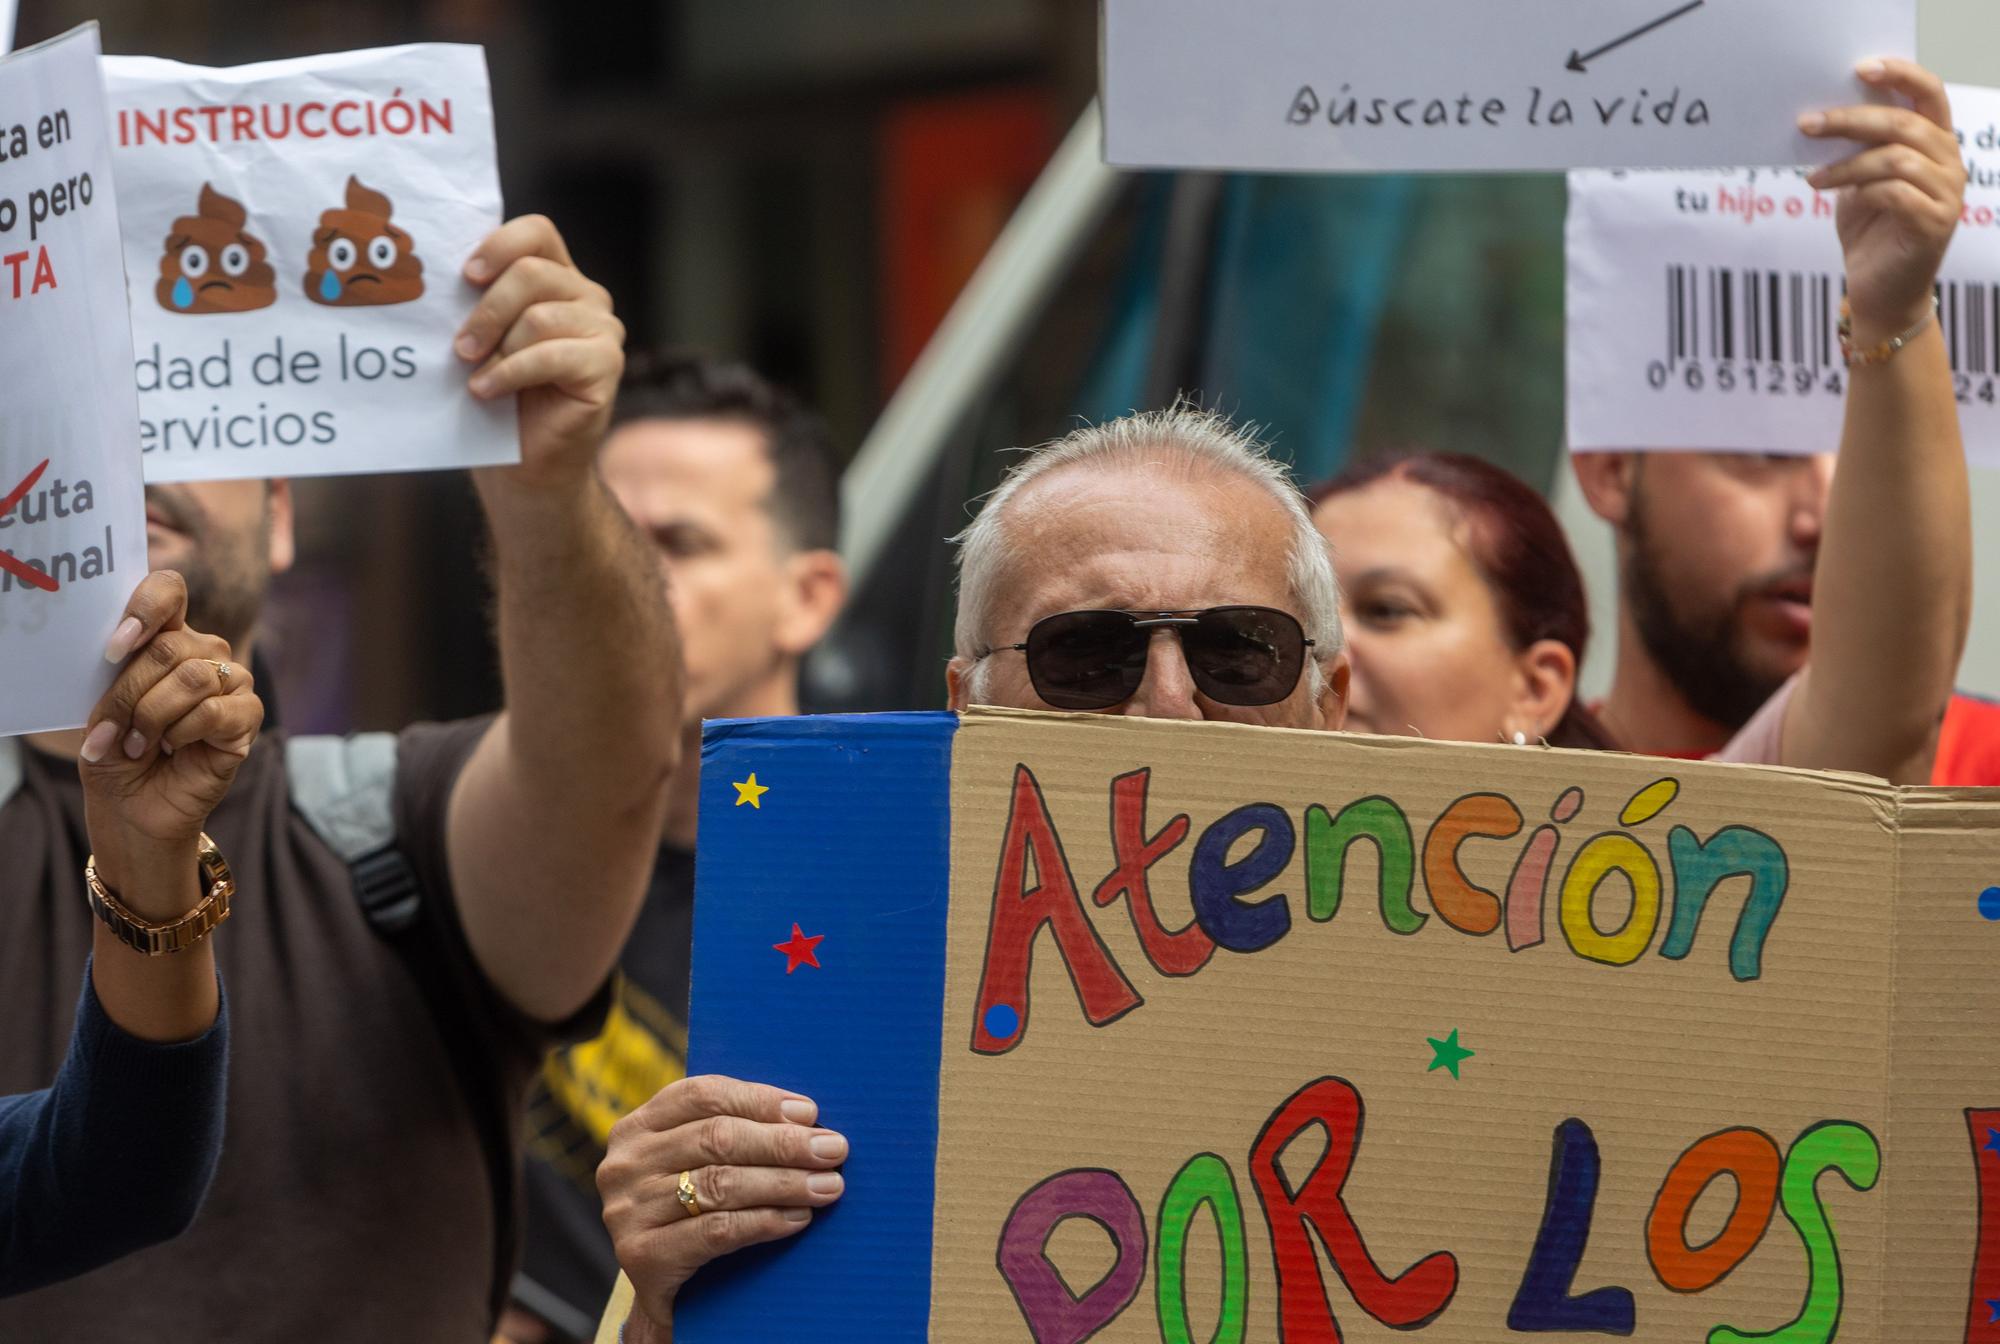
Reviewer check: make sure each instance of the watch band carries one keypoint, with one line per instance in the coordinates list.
(156, 940)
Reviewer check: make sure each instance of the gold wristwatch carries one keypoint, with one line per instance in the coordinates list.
(178, 936)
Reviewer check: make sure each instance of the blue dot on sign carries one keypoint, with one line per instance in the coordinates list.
(1989, 903)
(1002, 1022)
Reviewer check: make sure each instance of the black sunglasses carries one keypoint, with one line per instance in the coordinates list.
(1096, 659)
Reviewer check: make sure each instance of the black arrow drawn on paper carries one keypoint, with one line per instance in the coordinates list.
(1579, 61)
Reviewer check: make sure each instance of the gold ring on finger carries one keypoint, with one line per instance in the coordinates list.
(685, 1193)
(222, 670)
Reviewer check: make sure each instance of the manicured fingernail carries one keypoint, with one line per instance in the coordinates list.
(123, 639)
(467, 347)
(1871, 69)
(98, 741)
(798, 1215)
(825, 1183)
(1812, 123)
(828, 1146)
(798, 1110)
(477, 270)
(135, 745)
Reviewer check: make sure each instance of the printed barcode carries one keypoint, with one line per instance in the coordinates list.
(1792, 317)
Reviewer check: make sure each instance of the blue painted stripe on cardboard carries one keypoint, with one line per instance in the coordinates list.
(850, 840)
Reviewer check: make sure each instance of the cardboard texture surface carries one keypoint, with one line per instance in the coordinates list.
(1386, 1035)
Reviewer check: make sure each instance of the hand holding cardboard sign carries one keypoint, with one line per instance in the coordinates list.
(1900, 199)
(164, 743)
(546, 331)
(757, 1168)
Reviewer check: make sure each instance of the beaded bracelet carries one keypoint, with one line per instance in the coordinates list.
(1886, 351)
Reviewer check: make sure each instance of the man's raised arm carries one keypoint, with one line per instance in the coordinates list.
(554, 823)
(1892, 592)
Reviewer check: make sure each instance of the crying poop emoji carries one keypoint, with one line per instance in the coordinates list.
(359, 258)
(211, 265)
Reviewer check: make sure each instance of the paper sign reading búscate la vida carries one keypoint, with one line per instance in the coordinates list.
(294, 234)
(1481, 85)
(1249, 1034)
(1703, 307)
(72, 519)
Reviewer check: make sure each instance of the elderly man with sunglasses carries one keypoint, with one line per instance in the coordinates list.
(1161, 565)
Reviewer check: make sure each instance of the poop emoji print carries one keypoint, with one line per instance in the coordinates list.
(359, 257)
(295, 233)
(211, 264)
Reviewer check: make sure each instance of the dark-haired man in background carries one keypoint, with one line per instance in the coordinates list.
(738, 488)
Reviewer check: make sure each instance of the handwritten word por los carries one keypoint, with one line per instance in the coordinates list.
(1263, 837)
(1346, 108)
(350, 118)
(1299, 1216)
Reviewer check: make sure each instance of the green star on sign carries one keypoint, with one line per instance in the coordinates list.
(1447, 1053)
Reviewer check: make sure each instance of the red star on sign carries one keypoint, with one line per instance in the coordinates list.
(799, 949)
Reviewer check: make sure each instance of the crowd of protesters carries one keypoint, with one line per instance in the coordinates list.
(465, 945)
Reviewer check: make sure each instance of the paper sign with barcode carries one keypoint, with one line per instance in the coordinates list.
(1704, 306)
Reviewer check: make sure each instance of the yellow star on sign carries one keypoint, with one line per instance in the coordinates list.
(750, 791)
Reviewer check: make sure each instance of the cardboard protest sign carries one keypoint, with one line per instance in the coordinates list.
(294, 233)
(72, 513)
(1148, 1030)
(1703, 307)
(1480, 85)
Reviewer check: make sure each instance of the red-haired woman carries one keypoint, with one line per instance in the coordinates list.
(1464, 611)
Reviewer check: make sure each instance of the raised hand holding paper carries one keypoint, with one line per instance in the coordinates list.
(294, 232)
(72, 514)
(1709, 301)
(1474, 85)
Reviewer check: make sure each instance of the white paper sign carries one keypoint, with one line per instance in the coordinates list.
(294, 233)
(1703, 307)
(1473, 85)
(72, 513)
(7, 8)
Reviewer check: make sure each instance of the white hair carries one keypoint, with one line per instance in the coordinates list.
(1184, 437)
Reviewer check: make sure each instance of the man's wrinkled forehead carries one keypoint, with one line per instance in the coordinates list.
(1089, 536)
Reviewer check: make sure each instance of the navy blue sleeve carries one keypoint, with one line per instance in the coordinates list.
(115, 1156)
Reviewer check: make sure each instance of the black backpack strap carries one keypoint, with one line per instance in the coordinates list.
(345, 789)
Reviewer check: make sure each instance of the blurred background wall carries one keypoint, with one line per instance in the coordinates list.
(807, 185)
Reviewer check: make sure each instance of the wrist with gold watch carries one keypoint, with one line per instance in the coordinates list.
(156, 939)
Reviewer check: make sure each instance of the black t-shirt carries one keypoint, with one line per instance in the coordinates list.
(352, 1202)
(568, 1269)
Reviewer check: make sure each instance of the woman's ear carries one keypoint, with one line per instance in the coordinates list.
(815, 591)
(1547, 684)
